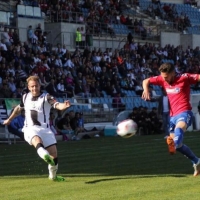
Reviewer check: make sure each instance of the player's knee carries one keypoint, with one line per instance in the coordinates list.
(39, 145)
(178, 137)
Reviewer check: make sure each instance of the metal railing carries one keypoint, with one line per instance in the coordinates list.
(93, 108)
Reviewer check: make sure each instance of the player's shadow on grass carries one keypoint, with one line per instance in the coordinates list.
(136, 177)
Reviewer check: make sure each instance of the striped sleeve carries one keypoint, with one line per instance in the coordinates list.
(51, 100)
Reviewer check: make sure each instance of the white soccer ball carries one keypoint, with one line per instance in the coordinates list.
(126, 128)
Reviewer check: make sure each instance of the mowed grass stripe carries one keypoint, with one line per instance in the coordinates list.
(101, 169)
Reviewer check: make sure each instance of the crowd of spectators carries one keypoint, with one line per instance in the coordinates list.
(148, 121)
(69, 125)
(169, 13)
(98, 17)
(87, 73)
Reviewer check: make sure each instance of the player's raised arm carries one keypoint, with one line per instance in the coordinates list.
(62, 106)
(15, 113)
(146, 93)
(56, 104)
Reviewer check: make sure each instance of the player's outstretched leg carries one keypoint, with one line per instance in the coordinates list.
(44, 154)
(186, 151)
(196, 168)
(176, 141)
(52, 174)
(53, 170)
(48, 159)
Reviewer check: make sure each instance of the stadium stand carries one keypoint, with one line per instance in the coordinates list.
(118, 71)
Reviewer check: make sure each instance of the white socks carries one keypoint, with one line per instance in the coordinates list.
(42, 152)
(52, 171)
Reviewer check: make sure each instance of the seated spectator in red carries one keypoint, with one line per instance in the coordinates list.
(122, 19)
(166, 8)
(40, 68)
(120, 59)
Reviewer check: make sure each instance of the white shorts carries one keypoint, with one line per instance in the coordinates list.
(46, 135)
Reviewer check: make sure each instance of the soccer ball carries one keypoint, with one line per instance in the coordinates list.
(126, 128)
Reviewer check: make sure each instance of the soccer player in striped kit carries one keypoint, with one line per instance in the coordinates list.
(36, 128)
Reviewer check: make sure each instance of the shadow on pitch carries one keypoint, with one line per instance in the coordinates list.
(136, 177)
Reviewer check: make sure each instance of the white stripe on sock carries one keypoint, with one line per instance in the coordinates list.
(52, 171)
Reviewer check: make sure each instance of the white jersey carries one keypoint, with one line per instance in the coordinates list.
(37, 109)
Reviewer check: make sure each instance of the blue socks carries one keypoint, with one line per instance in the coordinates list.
(185, 150)
(178, 137)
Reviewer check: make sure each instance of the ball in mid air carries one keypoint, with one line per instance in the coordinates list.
(126, 128)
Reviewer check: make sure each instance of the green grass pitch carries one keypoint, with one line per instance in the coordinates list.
(105, 168)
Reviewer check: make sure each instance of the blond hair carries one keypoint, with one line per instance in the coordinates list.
(32, 78)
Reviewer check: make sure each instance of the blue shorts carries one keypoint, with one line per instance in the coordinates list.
(186, 117)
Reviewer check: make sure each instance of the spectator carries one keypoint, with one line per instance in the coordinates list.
(143, 121)
(62, 89)
(16, 126)
(39, 30)
(77, 123)
(130, 38)
(83, 34)
(15, 37)
(5, 91)
(64, 127)
(138, 89)
(79, 90)
(34, 41)
(52, 89)
(6, 37)
(156, 123)
(12, 85)
(116, 103)
(78, 37)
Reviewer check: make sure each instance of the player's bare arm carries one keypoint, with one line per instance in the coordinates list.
(62, 106)
(17, 110)
(145, 85)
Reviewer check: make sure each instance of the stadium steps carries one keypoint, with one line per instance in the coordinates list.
(8, 6)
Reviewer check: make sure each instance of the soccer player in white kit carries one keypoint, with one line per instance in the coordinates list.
(36, 128)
